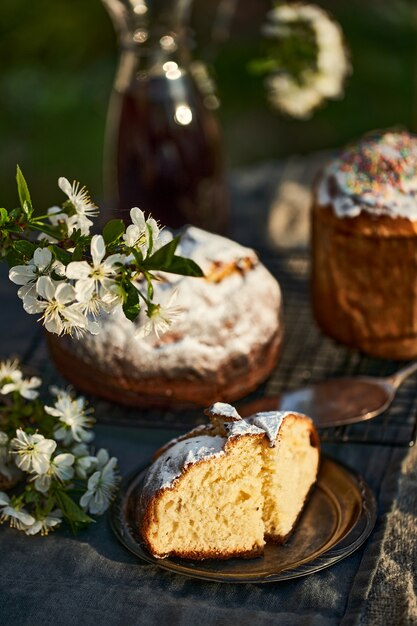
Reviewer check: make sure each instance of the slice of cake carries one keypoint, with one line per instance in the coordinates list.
(222, 490)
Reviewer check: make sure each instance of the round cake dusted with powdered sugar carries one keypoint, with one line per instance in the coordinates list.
(224, 489)
(364, 246)
(223, 345)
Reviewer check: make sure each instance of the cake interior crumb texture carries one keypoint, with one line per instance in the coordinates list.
(229, 503)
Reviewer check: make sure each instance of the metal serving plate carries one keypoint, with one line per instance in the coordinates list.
(338, 518)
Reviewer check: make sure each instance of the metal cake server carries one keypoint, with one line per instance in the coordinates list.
(337, 401)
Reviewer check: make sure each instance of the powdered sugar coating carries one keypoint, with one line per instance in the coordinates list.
(163, 473)
(222, 409)
(242, 427)
(377, 175)
(222, 321)
(270, 422)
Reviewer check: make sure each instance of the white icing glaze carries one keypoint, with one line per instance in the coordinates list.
(220, 321)
(378, 175)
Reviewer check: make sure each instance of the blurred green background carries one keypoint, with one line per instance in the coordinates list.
(58, 61)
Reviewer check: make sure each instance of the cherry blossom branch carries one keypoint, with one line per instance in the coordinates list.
(69, 277)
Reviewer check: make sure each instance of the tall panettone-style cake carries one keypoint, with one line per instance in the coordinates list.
(364, 248)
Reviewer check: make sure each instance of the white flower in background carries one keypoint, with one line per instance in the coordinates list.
(60, 467)
(32, 452)
(143, 234)
(100, 489)
(74, 421)
(81, 202)
(17, 517)
(160, 318)
(45, 524)
(10, 370)
(299, 96)
(61, 314)
(24, 386)
(100, 274)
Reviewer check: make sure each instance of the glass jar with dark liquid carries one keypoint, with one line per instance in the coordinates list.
(163, 144)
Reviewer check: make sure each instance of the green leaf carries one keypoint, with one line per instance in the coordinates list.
(23, 191)
(131, 305)
(162, 257)
(112, 231)
(165, 260)
(62, 255)
(185, 267)
(71, 510)
(44, 228)
(25, 247)
(77, 255)
(15, 214)
(4, 216)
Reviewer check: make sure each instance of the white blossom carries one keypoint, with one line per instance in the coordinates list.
(24, 386)
(100, 274)
(81, 202)
(60, 467)
(113, 297)
(142, 234)
(102, 458)
(85, 463)
(74, 422)
(61, 313)
(298, 97)
(79, 449)
(17, 517)
(41, 264)
(100, 489)
(10, 370)
(161, 318)
(32, 452)
(45, 524)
